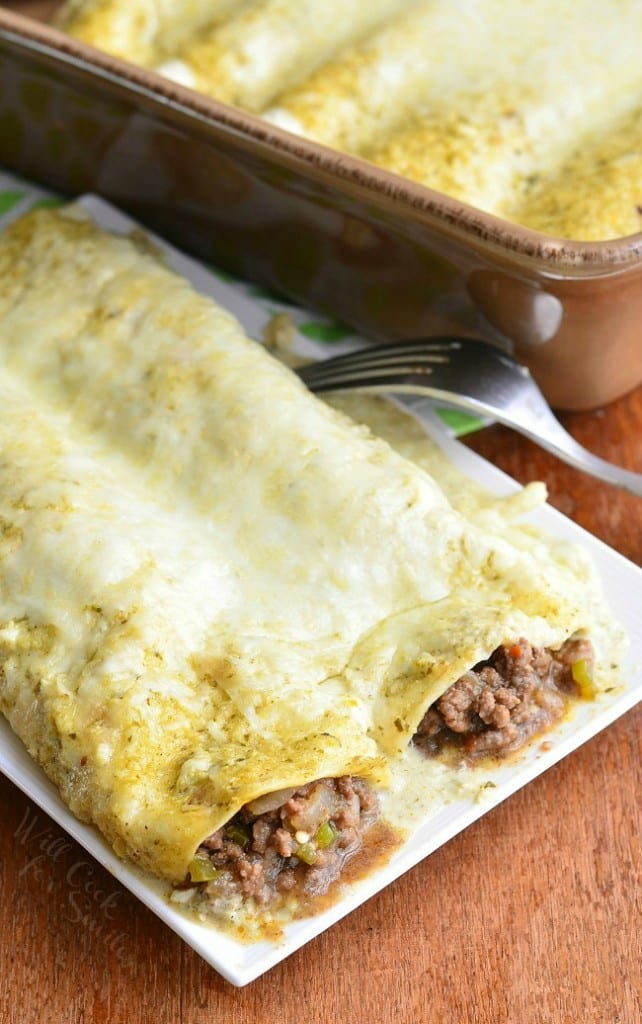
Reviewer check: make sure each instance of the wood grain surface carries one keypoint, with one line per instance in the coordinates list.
(531, 916)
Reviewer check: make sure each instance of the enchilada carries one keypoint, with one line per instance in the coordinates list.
(217, 590)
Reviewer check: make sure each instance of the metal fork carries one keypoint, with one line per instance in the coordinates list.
(471, 375)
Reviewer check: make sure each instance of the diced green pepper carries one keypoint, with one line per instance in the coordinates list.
(201, 869)
(326, 835)
(582, 675)
(306, 852)
(238, 834)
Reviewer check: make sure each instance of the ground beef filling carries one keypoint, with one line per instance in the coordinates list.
(297, 841)
(504, 701)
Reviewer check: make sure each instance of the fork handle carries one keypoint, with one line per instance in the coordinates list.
(560, 443)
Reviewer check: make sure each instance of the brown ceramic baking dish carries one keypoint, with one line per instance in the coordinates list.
(391, 258)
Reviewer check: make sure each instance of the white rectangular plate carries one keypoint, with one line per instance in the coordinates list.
(622, 582)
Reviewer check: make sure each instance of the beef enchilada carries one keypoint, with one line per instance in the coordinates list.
(226, 608)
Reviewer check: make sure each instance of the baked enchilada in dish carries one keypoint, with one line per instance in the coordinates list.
(527, 111)
(229, 610)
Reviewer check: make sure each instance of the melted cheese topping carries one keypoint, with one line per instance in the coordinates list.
(142, 31)
(273, 45)
(372, 88)
(213, 585)
(597, 191)
(522, 110)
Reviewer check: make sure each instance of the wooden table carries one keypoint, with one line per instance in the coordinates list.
(531, 916)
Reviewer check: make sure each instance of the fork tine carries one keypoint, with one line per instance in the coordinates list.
(357, 380)
(355, 370)
(388, 358)
(408, 358)
(437, 351)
